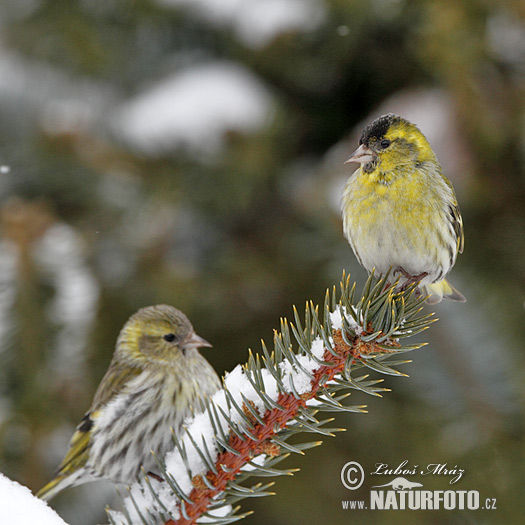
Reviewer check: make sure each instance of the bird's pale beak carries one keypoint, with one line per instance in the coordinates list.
(194, 341)
(363, 154)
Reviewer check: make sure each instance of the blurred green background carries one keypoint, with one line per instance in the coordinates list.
(191, 152)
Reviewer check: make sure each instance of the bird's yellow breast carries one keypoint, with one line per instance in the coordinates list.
(375, 198)
(396, 219)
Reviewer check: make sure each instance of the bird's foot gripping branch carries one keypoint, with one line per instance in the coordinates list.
(244, 429)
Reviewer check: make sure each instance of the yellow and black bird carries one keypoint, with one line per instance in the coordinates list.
(400, 211)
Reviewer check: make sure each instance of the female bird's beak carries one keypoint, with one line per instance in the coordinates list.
(363, 154)
(194, 341)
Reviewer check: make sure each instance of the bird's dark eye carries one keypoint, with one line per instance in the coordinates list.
(384, 143)
(169, 337)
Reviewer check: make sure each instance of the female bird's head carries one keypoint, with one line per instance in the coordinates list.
(391, 142)
(158, 333)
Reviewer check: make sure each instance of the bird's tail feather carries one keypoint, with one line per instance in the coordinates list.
(58, 484)
(443, 290)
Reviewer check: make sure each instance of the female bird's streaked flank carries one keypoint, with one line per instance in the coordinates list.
(399, 209)
(153, 383)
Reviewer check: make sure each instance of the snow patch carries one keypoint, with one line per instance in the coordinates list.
(18, 506)
(194, 108)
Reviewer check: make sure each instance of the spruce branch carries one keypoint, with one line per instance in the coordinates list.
(244, 430)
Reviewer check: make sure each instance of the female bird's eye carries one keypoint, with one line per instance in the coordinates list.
(385, 143)
(169, 337)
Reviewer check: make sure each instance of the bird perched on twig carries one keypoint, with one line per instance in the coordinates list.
(153, 383)
(400, 211)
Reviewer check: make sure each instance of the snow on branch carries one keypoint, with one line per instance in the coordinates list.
(244, 429)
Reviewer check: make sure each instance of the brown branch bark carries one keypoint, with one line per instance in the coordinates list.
(229, 465)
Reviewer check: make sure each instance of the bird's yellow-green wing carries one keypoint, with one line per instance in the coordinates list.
(113, 383)
(74, 460)
(457, 224)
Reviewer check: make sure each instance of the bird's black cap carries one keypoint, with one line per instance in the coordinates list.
(377, 129)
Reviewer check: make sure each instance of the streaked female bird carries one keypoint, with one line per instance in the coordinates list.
(400, 211)
(152, 384)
